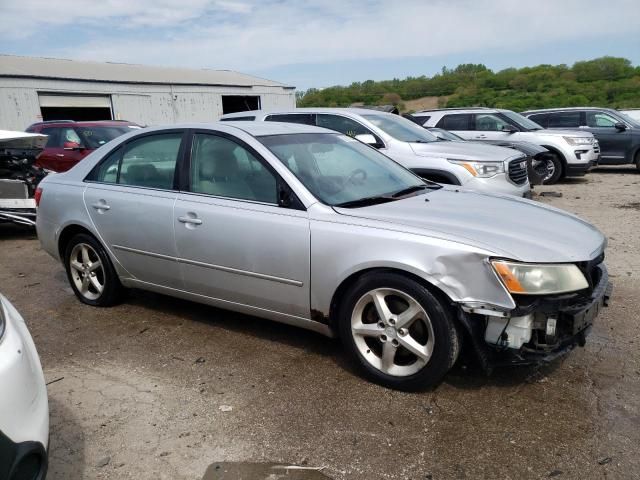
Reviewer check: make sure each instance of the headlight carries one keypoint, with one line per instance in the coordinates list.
(539, 279)
(480, 169)
(579, 140)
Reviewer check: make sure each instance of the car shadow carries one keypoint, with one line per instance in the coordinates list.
(465, 374)
(627, 169)
(66, 443)
(13, 231)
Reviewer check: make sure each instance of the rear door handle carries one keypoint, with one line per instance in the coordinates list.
(190, 220)
(101, 206)
(481, 136)
(59, 154)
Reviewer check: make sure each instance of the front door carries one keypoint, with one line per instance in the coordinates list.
(63, 150)
(614, 143)
(130, 198)
(234, 242)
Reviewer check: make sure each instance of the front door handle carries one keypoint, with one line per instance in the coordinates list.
(59, 154)
(101, 206)
(481, 136)
(190, 220)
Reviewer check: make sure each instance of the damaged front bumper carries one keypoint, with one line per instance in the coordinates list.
(540, 329)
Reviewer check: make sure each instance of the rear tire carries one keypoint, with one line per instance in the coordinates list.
(397, 332)
(91, 273)
(554, 169)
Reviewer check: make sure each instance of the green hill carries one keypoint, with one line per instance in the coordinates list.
(604, 82)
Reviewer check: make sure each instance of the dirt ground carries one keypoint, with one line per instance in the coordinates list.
(162, 388)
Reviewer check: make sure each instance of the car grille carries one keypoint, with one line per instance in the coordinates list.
(518, 171)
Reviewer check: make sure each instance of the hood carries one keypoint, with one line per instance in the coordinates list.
(528, 148)
(507, 226)
(21, 140)
(464, 151)
(563, 133)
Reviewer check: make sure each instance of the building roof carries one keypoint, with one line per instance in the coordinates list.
(55, 68)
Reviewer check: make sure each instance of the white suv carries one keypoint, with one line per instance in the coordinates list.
(486, 168)
(574, 153)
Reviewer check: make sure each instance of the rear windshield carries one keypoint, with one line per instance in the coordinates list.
(95, 137)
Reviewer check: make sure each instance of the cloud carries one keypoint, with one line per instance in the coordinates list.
(249, 36)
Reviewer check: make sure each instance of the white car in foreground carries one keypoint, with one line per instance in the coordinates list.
(24, 408)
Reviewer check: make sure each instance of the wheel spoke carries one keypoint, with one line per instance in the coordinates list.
(95, 266)
(406, 318)
(421, 351)
(367, 330)
(96, 284)
(388, 356)
(85, 284)
(85, 255)
(381, 305)
(76, 265)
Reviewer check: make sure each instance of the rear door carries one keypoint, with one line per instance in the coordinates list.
(614, 143)
(130, 197)
(235, 243)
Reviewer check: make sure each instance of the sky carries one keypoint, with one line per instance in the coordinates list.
(326, 42)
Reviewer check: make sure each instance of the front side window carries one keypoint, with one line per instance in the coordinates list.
(302, 118)
(564, 120)
(489, 122)
(342, 124)
(223, 168)
(600, 120)
(401, 129)
(337, 169)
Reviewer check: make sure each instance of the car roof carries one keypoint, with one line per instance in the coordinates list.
(336, 110)
(255, 129)
(92, 123)
(456, 109)
(548, 110)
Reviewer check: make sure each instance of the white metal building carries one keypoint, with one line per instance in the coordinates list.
(36, 89)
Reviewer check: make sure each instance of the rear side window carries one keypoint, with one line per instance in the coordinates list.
(302, 118)
(563, 120)
(456, 121)
(540, 118)
(53, 134)
(490, 122)
(149, 162)
(342, 124)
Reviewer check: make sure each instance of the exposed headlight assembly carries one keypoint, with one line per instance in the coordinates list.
(579, 140)
(480, 169)
(539, 279)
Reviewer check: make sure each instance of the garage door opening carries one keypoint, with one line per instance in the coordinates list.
(240, 103)
(75, 107)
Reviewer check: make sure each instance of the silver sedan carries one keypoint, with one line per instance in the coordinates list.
(312, 228)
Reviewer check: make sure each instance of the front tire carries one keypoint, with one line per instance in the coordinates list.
(399, 333)
(91, 273)
(554, 169)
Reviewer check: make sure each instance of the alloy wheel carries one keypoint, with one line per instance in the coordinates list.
(87, 271)
(392, 332)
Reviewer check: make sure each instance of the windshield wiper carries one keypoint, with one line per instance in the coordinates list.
(408, 190)
(366, 201)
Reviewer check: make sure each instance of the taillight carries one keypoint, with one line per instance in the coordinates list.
(38, 195)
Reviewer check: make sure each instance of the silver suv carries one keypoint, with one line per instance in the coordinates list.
(309, 227)
(573, 153)
(484, 168)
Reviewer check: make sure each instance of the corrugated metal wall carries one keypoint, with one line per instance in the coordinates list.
(144, 104)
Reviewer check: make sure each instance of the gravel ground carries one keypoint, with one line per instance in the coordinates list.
(161, 388)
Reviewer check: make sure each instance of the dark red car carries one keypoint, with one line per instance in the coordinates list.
(69, 141)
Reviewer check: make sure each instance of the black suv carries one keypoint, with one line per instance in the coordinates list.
(617, 133)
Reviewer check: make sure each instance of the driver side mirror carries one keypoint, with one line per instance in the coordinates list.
(620, 126)
(509, 129)
(368, 139)
(72, 146)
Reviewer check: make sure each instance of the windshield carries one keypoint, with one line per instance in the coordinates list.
(401, 128)
(338, 169)
(629, 119)
(95, 137)
(522, 122)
